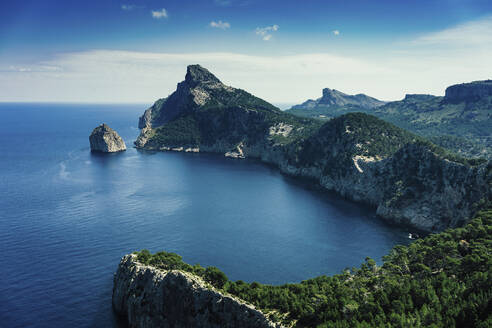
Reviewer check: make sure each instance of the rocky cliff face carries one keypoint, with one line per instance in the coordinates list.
(413, 187)
(149, 297)
(469, 91)
(357, 155)
(106, 140)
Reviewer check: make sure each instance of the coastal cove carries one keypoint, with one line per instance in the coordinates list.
(67, 216)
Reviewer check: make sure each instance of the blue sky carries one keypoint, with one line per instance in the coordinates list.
(46, 45)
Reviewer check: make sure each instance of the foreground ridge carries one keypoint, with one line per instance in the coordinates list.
(151, 297)
(407, 179)
(442, 280)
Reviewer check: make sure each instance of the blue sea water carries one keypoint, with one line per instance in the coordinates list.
(67, 216)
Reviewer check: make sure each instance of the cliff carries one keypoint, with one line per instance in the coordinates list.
(442, 280)
(106, 140)
(469, 91)
(409, 181)
(151, 297)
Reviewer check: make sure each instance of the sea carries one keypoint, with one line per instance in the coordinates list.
(67, 216)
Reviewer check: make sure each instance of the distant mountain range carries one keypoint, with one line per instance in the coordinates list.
(460, 121)
(334, 103)
(408, 179)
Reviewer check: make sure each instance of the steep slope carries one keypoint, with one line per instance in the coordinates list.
(334, 103)
(460, 121)
(442, 280)
(408, 180)
(148, 296)
(204, 114)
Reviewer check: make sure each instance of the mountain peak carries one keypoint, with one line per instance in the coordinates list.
(332, 97)
(327, 92)
(196, 74)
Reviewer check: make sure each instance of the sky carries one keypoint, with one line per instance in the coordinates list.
(136, 51)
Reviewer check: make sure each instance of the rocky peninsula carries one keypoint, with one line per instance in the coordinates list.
(151, 297)
(409, 180)
(106, 140)
(441, 280)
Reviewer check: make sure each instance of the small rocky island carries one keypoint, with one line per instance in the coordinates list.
(106, 140)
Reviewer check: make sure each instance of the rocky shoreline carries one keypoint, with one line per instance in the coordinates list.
(362, 158)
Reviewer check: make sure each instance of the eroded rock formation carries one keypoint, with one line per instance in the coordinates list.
(149, 297)
(106, 140)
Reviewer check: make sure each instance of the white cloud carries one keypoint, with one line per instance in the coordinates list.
(220, 24)
(31, 68)
(128, 7)
(158, 14)
(125, 76)
(223, 3)
(122, 76)
(336, 32)
(266, 32)
(478, 32)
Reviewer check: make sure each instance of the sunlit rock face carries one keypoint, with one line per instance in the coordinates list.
(106, 140)
(149, 297)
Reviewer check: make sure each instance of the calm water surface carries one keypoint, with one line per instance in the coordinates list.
(67, 216)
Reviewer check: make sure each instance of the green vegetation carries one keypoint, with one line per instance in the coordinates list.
(182, 132)
(462, 146)
(327, 112)
(339, 140)
(453, 157)
(230, 117)
(443, 280)
(225, 117)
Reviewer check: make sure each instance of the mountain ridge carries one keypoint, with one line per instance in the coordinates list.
(357, 155)
(335, 98)
(459, 121)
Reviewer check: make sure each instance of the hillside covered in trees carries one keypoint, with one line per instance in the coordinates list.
(443, 280)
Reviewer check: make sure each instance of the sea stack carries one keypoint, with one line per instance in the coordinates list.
(106, 140)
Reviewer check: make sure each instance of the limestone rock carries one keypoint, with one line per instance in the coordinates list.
(106, 140)
(150, 297)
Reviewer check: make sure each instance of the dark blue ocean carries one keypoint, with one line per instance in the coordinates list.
(67, 216)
